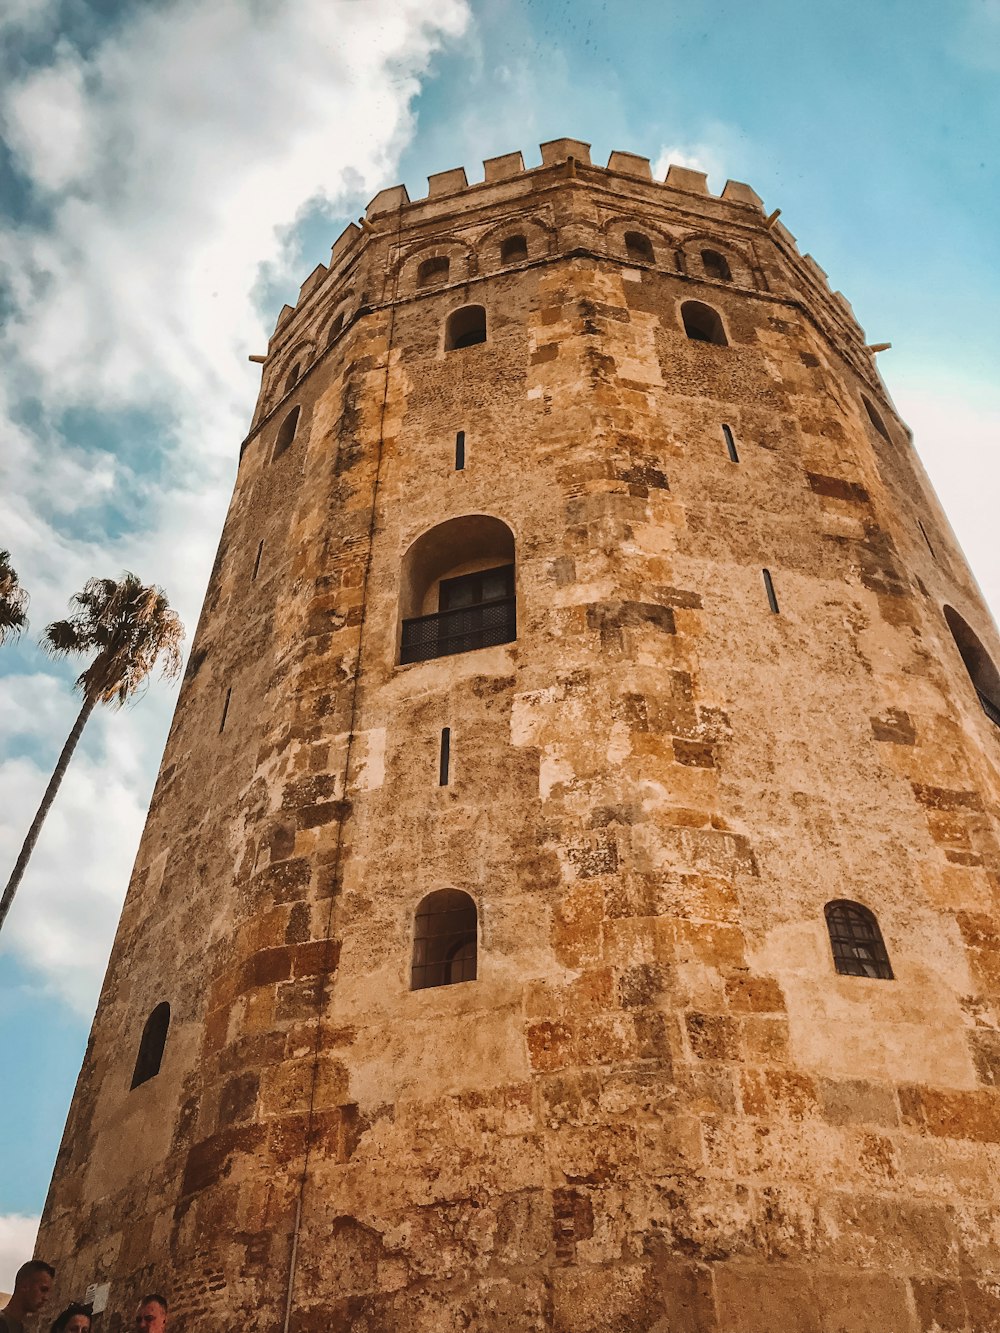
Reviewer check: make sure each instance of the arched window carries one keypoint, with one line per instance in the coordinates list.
(465, 327)
(292, 377)
(335, 329)
(151, 1044)
(433, 271)
(978, 663)
(703, 324)
(856, 941)
(457, 589)
(444, 940)
(875, 419)
(638, 247)
(513, 250)
(286, 433)
(716, 265)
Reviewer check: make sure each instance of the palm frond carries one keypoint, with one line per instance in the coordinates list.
(13, 600)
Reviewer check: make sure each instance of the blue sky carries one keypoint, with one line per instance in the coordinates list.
(171, 171)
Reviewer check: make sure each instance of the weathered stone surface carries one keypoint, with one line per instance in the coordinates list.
(658, 1108)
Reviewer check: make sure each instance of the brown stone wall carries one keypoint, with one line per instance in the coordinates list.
(658, 1108)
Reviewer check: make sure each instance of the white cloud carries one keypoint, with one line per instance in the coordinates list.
(706, 156)
(17, 1244)
(174, 159)
(956, 431)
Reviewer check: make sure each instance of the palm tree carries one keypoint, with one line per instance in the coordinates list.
(13, 600)
(130, 627)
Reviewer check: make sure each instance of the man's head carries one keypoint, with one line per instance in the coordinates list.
(33, 1284)
(151, 1316)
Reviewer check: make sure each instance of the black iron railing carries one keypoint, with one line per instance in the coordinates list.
(459, 631)
(989, 708)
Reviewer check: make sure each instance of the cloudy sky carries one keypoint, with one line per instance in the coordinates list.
(171, 170)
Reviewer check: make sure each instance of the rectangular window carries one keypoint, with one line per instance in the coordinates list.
(445, 756)
(772, 601)
(256, 563)
(460, 451)
(225, 710)
(730, 445)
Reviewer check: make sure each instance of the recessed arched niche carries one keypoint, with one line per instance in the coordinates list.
(978, 663)
(457, 589)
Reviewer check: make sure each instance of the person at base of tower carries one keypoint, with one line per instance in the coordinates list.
(151, 1315)
(32, 1287)
(74, 1319)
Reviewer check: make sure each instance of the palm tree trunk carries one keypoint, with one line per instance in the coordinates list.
(50, 792)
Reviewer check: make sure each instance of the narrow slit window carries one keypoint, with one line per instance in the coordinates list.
(460, 451)
(772, 600)
(730, 444)
(151, 1044)
(856, 941)
(225, 710)
(256, 563)
(923, 533)
(444, 940)
(445, 764)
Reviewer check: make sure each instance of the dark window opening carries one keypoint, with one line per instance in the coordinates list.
(225, 710)
(978, 663)
(730, 444)
(433, 271)
(465, 327)
(923, 533)
(856, 941)
(445, 757)
(256, 563)
(875, 419)
(460, 451)
(513, 250)
(335, 329)
(293, 377)
(638, 247)
(703, 324)
(772, 600)
(716, 266)
(151, 1044)
(444, 940)
(286, 433)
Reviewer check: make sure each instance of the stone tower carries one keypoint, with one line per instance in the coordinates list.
(570, 896)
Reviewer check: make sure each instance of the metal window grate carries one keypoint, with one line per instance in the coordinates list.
(856, 941)
(459, 631)
(444, 940)
(991, 710)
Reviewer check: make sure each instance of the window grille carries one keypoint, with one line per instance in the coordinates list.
(856, 941)
(151, 1044)
(444, 940)
(476, 611)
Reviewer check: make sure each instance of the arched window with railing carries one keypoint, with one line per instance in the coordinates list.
(978, 663)
(465, 327)
(151, 1044)
(703, 324)
(856, 941)
(445, 940)
(457, 589)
